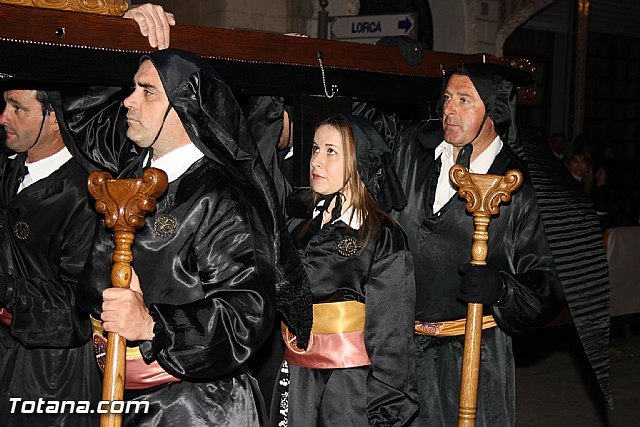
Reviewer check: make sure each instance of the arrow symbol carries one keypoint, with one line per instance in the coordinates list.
(405, 24)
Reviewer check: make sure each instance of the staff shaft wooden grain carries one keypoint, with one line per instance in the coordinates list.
(114, 371)
(473, 332)
(483, 194)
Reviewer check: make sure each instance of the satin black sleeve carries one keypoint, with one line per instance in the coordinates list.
(534, 293)
(265, 117)
(96, 123)
(386, 124)
(402, 137)
(44, 309)
(389, 329)
(213, 336)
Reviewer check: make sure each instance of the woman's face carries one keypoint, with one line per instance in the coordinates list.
(578, 165)
(327, 161)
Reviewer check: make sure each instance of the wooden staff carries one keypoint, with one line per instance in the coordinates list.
(124, 203)
(483, 194)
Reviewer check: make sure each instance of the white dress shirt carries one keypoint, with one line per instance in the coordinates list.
(481, 164)
(44, 167)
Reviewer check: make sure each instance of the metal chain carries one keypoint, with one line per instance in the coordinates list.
(334, 88)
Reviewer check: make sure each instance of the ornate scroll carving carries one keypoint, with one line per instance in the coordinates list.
(483, 193)
(100, 7)
(125, 202)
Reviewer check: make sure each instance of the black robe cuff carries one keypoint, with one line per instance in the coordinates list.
(7, 285)
(150, 348)
(146, 350)
(507, 293)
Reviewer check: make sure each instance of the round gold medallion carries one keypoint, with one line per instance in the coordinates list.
(165, 225)
(348, 246)
(21, 229)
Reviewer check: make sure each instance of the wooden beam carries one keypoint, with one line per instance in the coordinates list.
(57, 46)
(103, 7)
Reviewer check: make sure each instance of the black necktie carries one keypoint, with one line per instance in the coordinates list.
(19, 173)
(464, 156)
(27, 179)
(432, 184)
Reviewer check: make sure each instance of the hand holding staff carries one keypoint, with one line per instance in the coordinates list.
(124, 203)
(483, 194)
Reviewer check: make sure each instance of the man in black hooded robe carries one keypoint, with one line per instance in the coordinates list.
(210, 260)
(45, 348)
(522, 285)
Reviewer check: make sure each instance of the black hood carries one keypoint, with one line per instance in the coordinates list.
(216, 125)
(205, 105)
(375, 165)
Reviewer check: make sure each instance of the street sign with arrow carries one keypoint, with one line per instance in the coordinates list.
(370, 28)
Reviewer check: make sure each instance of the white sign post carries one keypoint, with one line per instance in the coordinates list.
(370, 28)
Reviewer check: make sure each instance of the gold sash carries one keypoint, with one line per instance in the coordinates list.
(337, 338)
(336, 317)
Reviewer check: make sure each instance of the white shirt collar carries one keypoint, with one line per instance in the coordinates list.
(355, 222)
(480, 164)
(444, 149)
(176, 162)
(45, 167)
(483, 162)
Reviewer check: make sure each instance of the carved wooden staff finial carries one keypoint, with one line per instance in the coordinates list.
(124, 203)
(483, 194)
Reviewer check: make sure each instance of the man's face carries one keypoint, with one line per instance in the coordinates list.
(147, 106)
(22, 118)
(578, 165)
(558, 143)
(463, 111)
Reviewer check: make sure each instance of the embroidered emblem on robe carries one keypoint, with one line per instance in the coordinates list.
(429, 328)
(165, 225)
(21, 229)
(100, 350)
(348, 246)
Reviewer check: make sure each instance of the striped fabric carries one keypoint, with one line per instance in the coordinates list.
(576, 242)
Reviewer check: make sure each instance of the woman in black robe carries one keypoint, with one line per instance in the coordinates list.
(359, 367)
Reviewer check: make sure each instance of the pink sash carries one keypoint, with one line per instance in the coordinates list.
(337, 338)
(138, 374)
(5, 317)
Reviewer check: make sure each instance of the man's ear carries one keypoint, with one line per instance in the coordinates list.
(490, 125)
(55, 127)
